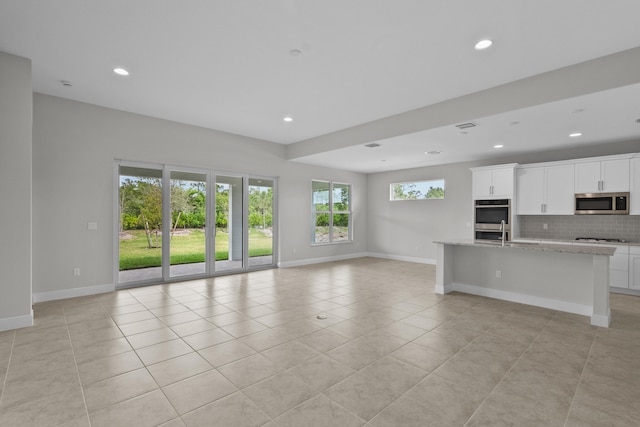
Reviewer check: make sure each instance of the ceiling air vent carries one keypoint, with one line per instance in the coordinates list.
(372, 145)
(466, 125)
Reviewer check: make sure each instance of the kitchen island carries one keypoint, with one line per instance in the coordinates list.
(570, 278)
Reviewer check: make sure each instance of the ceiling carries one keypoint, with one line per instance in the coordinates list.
(340, 68)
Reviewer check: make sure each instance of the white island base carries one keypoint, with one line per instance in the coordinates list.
(567, 278)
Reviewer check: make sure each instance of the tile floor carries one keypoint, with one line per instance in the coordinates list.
(248, 350)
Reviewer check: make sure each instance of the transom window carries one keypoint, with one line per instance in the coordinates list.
(331, 209)
(417, 190)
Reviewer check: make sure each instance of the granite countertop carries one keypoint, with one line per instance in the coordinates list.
(544, 247)
(575, 242)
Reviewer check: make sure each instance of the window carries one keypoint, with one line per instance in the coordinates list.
(417, 190)
(331, 209)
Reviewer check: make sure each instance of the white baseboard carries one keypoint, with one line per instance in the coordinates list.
(553, 304)
(402, 258)
(601, 320)
(309, 261)
(624, 291)
(16, 322)
(72, 293)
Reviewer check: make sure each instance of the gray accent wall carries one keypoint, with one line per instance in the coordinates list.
(15, 191)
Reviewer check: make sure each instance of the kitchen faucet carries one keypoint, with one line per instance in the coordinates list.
(503, 228)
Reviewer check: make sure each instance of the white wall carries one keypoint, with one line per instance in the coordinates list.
(405, 229)
(15, 192)
(74, 147)
(396, 229)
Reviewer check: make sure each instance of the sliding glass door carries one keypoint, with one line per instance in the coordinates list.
(229, 228)
(140, 216)
(261, 197)
(187, 234)
(178, 223)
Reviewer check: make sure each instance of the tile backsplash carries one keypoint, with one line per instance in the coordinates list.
(568, 227)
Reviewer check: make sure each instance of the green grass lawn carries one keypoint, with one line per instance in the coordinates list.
(185, 248)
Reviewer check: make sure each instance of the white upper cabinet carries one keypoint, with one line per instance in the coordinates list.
(530, 190)
(494, 182)
(545, 190)
(560, 190)
(634, 197)
(602, 176)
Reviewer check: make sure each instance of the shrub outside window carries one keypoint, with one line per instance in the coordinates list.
(417, 190)
(331, 210)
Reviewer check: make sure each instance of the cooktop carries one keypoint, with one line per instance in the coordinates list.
(599, 239)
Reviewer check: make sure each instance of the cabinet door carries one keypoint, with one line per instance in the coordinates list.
(530, 184)
(502, 183)
(615, 175)
(559, 187)
(587, 177)
(482, 183)
(635, 187)
(634, 271)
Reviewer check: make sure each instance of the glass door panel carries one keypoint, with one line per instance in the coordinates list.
(140, 224)
(260, 222)
(229, 228)
(187, 235)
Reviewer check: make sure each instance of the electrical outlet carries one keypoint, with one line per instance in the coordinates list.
(92, 225)
(545, 226)
(498, 274)
(76, 271)
(294, 250)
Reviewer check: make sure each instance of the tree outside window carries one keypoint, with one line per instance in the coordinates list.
(417, 190)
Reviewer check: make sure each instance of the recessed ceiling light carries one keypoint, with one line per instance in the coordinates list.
(575, 134)
(498, 146)
(120, 71)
(483, 44)
(433, 153)
(66, 83)
(372, 145)
(295, 52)
(288, 119)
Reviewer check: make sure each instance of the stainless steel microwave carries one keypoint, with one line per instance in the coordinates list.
(602, 204)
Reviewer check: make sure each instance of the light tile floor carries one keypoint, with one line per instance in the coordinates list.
(248, 350)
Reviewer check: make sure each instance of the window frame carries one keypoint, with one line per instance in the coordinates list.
(331, 211)
(417, 182)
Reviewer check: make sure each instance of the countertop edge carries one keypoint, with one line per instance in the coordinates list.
(539, 247)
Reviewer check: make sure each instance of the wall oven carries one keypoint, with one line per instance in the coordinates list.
(489, 218)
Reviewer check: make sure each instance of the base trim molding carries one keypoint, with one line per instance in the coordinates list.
(402, 258)
(309, 261)
(552, 304)
(72, 293)
(16, 322)
(601, 320)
